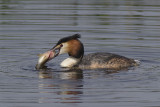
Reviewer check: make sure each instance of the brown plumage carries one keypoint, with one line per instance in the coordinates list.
(75, 48)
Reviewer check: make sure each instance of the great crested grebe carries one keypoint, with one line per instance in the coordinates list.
(74, 47)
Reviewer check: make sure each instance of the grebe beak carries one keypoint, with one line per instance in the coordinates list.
(57, 49)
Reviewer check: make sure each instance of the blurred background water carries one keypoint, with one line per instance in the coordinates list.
(126, 27)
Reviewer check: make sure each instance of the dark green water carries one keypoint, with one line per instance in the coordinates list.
(127, 27)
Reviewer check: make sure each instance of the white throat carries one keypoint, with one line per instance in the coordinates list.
(69, 62)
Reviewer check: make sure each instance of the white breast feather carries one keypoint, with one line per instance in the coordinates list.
(69, 62)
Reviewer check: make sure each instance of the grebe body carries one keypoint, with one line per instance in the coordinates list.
(75, 49)
(106, 60)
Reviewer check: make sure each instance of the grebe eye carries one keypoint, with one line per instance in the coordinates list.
(61, 45)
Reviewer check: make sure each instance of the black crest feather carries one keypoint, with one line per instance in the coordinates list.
(65, 39)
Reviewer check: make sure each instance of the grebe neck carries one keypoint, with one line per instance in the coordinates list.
(75, 51)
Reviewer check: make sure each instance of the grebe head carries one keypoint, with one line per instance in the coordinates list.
(72, 46)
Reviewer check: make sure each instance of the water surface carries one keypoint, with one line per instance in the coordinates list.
(126, 27)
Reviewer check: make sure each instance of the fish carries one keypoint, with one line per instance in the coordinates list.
(44, 58)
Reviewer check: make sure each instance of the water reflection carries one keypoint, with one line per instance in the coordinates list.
(66, 74)
(65, 86)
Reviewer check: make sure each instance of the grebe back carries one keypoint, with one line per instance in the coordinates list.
(106, 60)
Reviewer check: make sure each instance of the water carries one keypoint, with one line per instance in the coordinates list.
(126, 27)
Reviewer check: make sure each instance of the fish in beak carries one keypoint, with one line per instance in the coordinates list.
(44, 58)
(70, 45)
